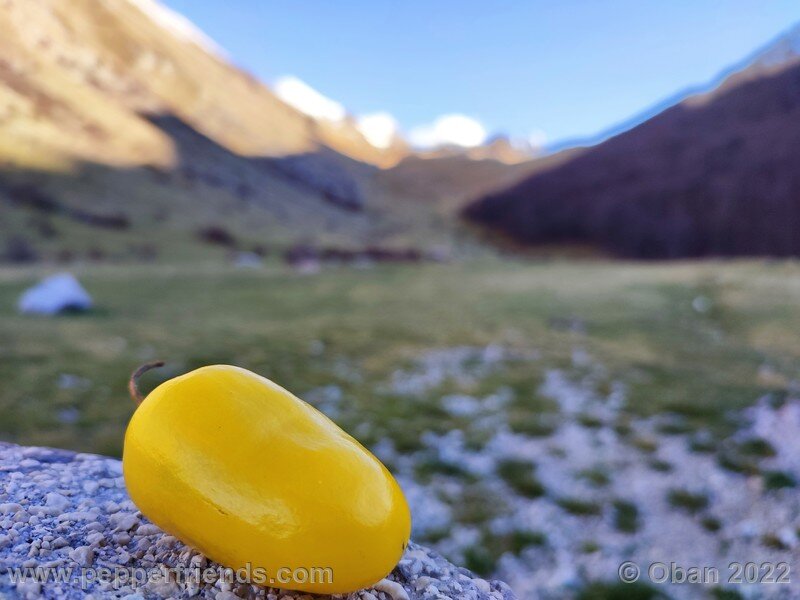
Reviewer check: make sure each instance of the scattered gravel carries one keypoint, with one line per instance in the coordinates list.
(586, 469)
(49, 519)
(560, 489)
(460, 364)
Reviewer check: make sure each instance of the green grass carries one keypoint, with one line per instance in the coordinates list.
(531, 424)
(482, 557)
(519, 540)
(770, 540)
(426, 469)
(580, 507)
(519, 474)
(646, 445)
(743, 457)
(515, 541)
(732, 461)
(659, 465)
(477, 505)
(626, 516)
(479, 560)
(711, 524)
(620, 591)
(675, 427)
(757, 447)
(638, 322)
(590, 547)
(687, 500)
(590, 421)
(702, 445)
(597, 476)
(775, 480)
(719, 593)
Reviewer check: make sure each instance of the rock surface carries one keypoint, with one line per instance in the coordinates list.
(67, 511)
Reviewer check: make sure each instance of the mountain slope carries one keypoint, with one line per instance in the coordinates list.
(105, 61)
(449, 182)
(124, 133)
(717, 174)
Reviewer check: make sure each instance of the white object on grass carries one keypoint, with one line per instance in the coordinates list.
(54, 295)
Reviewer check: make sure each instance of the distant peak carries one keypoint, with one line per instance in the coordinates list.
(784, 49)
(298, 94)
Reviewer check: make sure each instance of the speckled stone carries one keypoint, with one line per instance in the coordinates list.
(61, 509)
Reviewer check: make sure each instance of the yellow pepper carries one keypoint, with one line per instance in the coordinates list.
(256, 479)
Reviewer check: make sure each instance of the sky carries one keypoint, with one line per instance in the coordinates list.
(458, 70)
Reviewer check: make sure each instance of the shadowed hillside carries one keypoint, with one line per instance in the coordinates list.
(125, 133)
(211, 202)
(97, 211)
(451, 181)
(717, 174)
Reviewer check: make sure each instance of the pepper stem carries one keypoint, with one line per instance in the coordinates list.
(133, 382)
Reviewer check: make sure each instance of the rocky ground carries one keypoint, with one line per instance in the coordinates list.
(70, 511)
(589, 486)
(551, 494)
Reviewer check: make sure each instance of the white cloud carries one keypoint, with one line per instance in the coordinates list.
(537, 138)
(306, 99)
(379, 128)
(449, 130)
(533, 144)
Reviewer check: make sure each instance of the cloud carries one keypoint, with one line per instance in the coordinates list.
(449, 130)
(306, 99)
(378, 128)
(537, 138)
(534, 144)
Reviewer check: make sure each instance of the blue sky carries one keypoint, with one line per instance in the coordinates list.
(567, 68)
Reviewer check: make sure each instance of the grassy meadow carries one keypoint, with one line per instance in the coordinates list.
(692, 339)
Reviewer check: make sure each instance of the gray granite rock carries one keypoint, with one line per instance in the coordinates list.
(67, 512)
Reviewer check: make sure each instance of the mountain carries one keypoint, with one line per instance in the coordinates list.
(94, 67)
(778, 51)
(497, 148)
(782, 51)
(716, 174)
(448, 181)
(126, 133)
